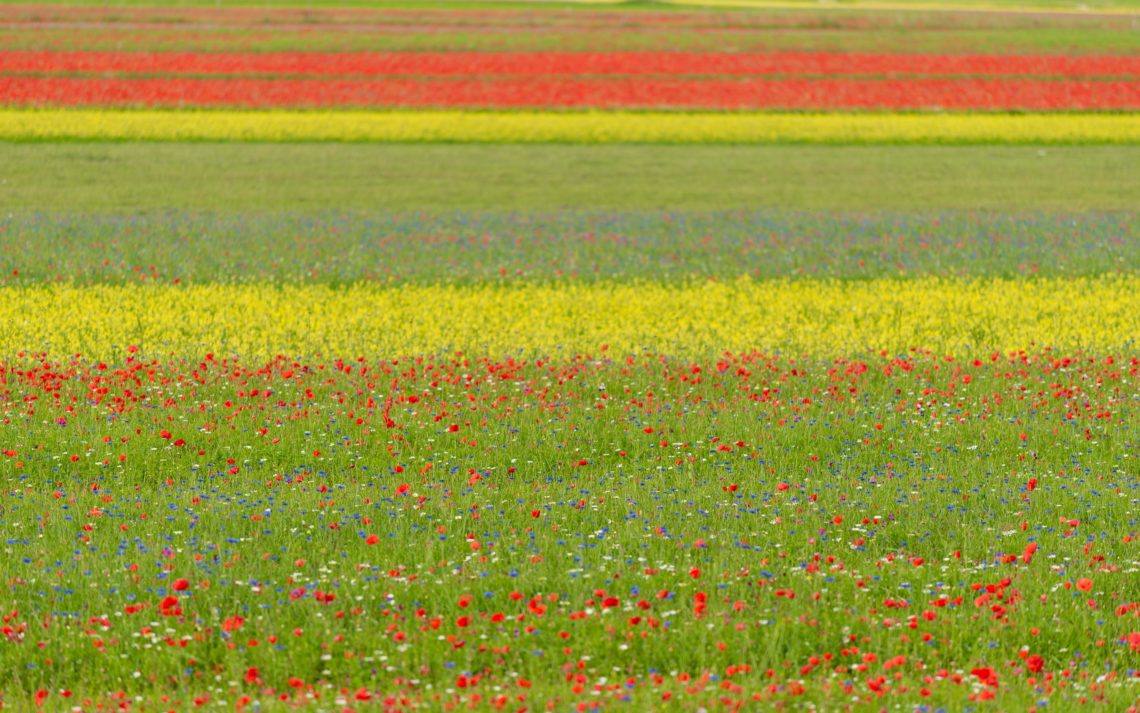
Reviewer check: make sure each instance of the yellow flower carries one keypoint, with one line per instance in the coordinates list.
(586, 127)
(817, 317)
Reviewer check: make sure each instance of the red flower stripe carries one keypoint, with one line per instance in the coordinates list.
(449, 64)
(574, 93)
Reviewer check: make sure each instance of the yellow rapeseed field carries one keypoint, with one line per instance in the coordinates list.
(954, 316)
(570, 127)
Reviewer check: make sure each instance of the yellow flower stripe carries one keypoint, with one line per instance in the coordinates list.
(819, 317)
(588, 127)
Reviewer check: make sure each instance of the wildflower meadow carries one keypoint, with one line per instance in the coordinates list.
(553, 356)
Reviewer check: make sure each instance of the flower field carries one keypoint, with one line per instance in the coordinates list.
(471, 414)
(447, 64)
(268, 28)
(883, 94)
(581, 80)
(817, 317)
(587, 127)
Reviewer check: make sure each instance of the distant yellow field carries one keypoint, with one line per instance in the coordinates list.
(958, 316)
(553, 127)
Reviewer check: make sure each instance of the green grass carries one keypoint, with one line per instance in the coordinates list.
(841, 479)
(903, 39)
(628, 6)
(119, 178)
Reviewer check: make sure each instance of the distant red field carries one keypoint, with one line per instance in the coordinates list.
(528, 64)
(540, 92)
(681, 80)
